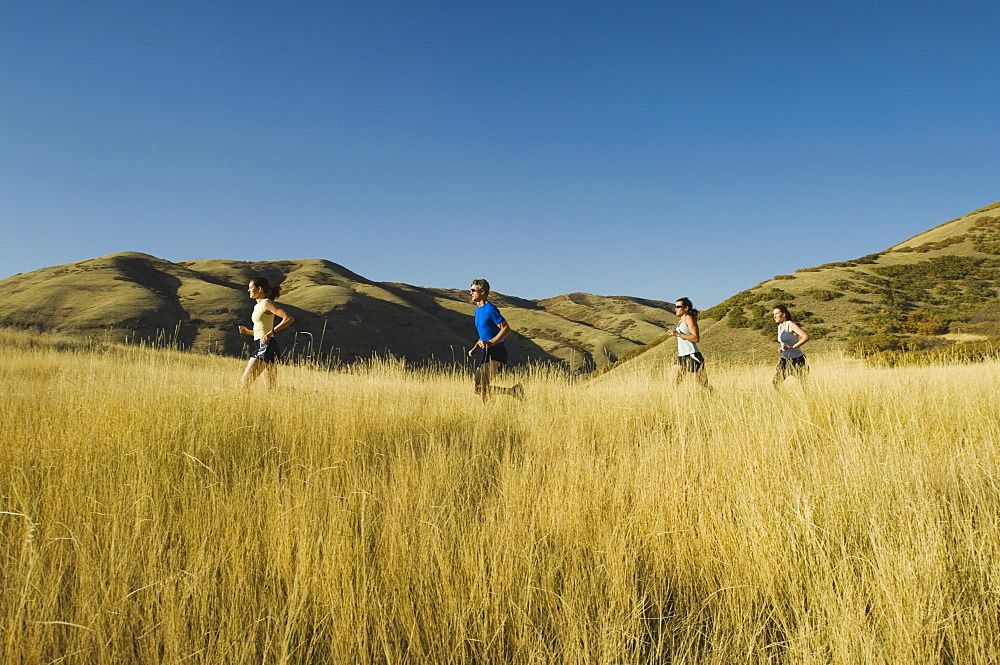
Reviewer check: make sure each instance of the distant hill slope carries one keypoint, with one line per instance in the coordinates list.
(338, 312)
(935, 289)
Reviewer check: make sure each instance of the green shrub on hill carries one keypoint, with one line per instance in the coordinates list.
(867, 346)
(822, 294)
(941, 268)
(758, 316)
(921, 322)
(864, 260)
(739, 300)
(986, 235)
(928, 246)
(864, 346)
(953, 285)
(746, 299)
(967, 352)
(990, 312)
(916, 322)
(905, 305)
(737, 319)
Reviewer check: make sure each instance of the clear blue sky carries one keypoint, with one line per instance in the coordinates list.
(655, 149)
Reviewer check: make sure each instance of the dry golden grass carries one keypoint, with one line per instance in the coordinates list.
(151, 514)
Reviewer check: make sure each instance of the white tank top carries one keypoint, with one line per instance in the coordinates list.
(786, 336)
(685, 347)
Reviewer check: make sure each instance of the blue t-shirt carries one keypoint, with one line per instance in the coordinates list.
(488, 320)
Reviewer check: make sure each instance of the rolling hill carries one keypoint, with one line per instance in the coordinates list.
(935, 289)
(340, 314)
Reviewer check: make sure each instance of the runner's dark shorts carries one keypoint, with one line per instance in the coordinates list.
(692, 363)
(269, 352)
(497, 353)
(792, 367)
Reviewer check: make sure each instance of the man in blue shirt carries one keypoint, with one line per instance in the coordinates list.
(493, 330)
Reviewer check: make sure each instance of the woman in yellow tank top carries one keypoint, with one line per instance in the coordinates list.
(265, 351)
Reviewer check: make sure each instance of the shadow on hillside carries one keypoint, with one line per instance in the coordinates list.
(415, 324)
(522, 349)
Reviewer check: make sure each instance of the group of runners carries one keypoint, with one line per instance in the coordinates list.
(689, 362)
(493, 331)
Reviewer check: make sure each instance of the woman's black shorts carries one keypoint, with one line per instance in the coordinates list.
(692, 363)
(792, 367)
(266, 352)
(497, 353)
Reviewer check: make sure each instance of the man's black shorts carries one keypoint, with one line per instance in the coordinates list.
(692, 363)
(497, 353)
(269, 352)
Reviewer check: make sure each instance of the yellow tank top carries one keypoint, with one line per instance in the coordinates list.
(263, 321)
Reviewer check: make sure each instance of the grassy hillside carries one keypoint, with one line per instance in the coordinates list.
(339, 314)
(932, 291)
(935, 290)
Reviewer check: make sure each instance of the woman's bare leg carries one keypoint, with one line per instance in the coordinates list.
(270, 375)
(702, 378)
(252, 371)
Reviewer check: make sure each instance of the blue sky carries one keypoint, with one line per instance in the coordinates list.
(654, 149)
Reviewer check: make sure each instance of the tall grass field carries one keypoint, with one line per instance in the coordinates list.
(152, 513)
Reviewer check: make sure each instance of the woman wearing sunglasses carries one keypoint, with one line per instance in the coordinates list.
(689, 358)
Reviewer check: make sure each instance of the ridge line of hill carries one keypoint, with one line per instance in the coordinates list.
(935, 289)
(340, 315)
